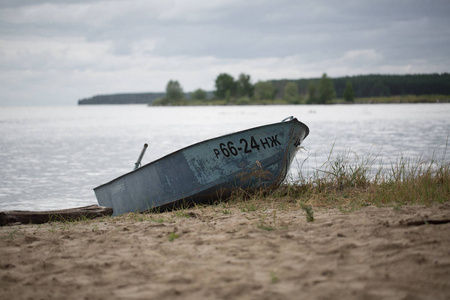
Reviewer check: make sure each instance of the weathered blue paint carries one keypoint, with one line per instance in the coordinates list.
(250, 159)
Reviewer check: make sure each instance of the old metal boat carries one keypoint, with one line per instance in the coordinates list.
(257, 158)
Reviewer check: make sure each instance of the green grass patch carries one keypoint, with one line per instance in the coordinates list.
(173, 236)
(349, 182)
(274, 277)
(309, 212)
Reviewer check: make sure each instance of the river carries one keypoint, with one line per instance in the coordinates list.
(52, 157)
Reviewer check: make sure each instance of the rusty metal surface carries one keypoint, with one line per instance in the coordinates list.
(255, 158)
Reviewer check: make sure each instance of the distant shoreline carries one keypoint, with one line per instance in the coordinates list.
(416, 88)
(149, 98)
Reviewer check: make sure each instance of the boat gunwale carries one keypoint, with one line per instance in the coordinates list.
(204, 141)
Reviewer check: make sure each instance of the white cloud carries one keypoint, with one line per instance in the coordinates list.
(56, 14)
(357, 56)
(38, 53)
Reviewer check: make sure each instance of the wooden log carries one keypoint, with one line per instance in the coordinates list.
(39, 217)
(425, 222)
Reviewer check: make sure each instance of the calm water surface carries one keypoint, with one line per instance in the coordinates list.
(52, 157)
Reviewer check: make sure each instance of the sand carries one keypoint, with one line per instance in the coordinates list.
(233, 253)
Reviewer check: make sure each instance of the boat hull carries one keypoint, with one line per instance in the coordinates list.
(251, 159)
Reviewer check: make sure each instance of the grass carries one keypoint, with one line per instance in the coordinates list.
(273, 277)
(309, 212)
(349, 183)
(173, 236)
(264, 224)
(11, 234)
(346, 182)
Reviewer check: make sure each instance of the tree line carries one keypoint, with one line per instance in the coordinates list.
(229, 90)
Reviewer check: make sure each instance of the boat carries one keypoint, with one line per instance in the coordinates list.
(254, 159)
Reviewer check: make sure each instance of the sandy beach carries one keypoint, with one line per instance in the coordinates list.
(233, 252)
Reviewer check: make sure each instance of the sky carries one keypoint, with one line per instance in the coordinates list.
(59, 51)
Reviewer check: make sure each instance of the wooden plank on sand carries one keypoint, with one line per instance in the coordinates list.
(39, 217)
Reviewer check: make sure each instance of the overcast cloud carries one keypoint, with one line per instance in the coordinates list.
(56, 52)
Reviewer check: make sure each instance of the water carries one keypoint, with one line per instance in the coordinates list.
(52, 157)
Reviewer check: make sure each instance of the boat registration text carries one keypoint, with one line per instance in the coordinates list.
(230, 149)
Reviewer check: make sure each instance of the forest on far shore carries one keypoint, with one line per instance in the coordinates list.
(324, 90)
